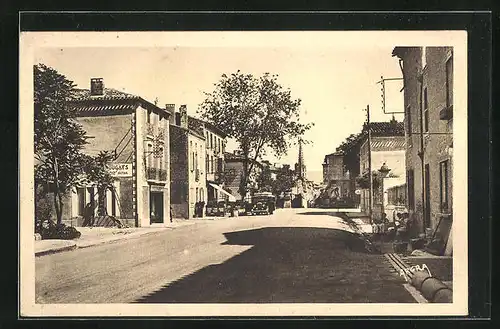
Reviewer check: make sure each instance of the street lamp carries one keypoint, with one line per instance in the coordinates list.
(384, 170)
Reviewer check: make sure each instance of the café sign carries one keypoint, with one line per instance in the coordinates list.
(120, 169)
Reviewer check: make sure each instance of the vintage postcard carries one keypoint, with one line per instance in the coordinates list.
(305, 173)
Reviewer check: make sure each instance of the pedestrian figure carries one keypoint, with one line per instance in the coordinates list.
(171, 215)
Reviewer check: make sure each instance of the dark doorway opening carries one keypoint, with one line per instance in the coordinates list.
(156, 207)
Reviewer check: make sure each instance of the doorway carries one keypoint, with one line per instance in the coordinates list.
(427, 214)
(156, 207)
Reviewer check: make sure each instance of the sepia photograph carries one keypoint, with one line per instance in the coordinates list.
(243, 173)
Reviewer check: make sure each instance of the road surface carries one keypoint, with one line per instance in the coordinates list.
(303, 256)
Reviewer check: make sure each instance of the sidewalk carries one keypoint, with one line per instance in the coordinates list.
(92, 236)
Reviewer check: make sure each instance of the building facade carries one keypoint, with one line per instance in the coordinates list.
(336, 176)
(388, 147)
(187, 168)
(428, 99)
(234, 173)
(137, 133)
(215, 145)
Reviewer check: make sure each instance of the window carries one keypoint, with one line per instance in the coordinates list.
(211, 141)
(81, 200)
(207, 164)
(449, 82)
(426, 111)
(196, 156)
(150, 114)
(192, 155)
(197, 198)
(411, 191)
(443, 186)
(160, 158)
(150, 155)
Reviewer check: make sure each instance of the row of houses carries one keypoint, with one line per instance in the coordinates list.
(413, 159)
(345, 170)
(165, 161)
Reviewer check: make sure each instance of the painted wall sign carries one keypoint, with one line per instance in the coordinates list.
(157, 188)
(120, 169)
(406, 273)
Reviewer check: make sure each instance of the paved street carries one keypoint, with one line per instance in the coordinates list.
(304, 255)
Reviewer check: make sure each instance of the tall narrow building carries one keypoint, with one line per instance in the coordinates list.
(300, 169)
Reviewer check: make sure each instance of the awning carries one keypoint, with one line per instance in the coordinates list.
(220, 189)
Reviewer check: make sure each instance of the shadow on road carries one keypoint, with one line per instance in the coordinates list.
(290, 265)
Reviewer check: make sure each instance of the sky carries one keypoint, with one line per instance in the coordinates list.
(335, 83)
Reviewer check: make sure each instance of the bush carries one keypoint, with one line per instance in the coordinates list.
(59, 231)
(43, 210)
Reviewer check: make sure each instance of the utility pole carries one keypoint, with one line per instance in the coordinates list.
(370, 174)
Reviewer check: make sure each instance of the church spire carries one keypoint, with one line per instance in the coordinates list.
(300, 164)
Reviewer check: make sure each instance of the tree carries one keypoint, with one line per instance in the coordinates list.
(257, 112)
(284, 182)
(265, 180)
(348, 143)
(58, 138)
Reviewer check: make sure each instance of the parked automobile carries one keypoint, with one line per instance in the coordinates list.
(263, 203)
(217, 208)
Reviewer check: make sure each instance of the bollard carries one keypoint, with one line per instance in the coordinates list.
(430, 287)
(418, 278)
(444, 295)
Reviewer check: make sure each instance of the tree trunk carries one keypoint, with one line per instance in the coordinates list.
(58, 206)
(57, 194)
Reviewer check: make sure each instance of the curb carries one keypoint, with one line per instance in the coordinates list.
(55, 250)
(431, 288)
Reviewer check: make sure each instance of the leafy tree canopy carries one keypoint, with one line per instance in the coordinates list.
(257, 112)
(58, 138)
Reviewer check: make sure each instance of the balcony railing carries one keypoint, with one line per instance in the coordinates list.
(151, 173)
(163, 175)
(156, 174)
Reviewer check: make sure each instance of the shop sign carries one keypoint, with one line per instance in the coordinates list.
(120, 169)
(156, 188)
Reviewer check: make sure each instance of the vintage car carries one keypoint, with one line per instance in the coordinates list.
(217, 208)
(263, 203)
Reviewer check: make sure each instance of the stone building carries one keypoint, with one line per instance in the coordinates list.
(215, 145)
(388, 147)
(187, 167)
(428, 98)
(233, 173)
(137, 132)
(335, 175)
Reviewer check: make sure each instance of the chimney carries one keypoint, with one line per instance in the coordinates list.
(96, 87)
(183, 121)
(170, 108)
